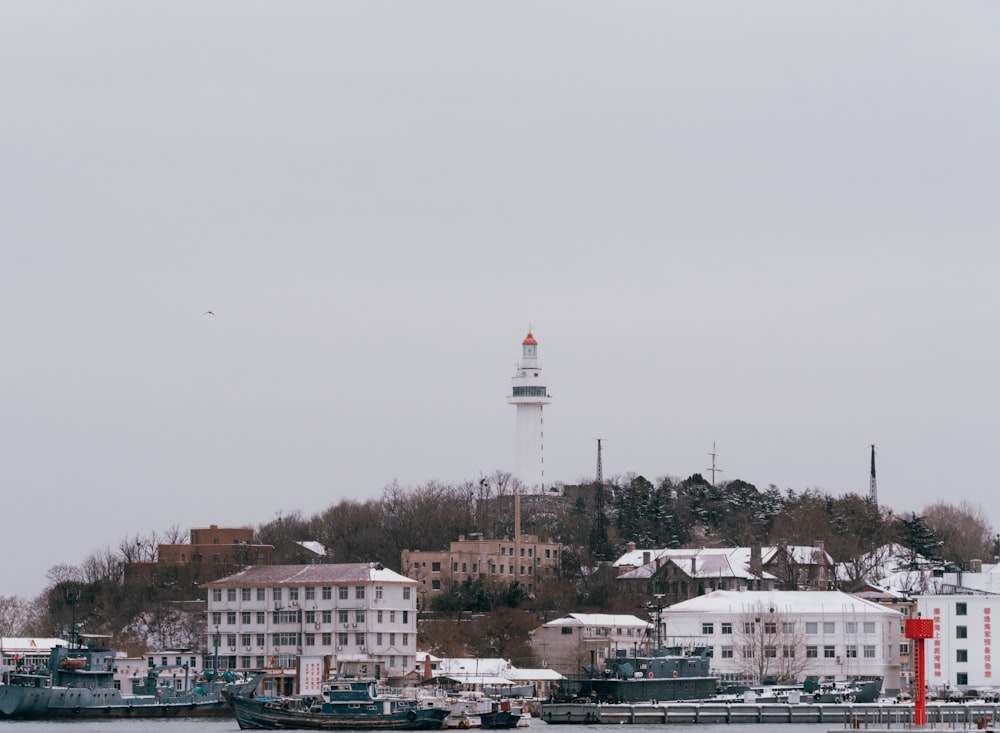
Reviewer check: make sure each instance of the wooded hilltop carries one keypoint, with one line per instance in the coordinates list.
(668, 513)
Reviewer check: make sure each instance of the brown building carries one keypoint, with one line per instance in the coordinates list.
(525, 559)
(212, 553)
(680, 574)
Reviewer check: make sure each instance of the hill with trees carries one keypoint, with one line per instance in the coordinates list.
(666, 513)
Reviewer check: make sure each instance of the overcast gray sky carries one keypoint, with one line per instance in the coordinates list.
(769, 225)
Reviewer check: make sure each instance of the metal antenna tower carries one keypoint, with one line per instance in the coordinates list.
(713, 469)
(600, 541)
(872, 490)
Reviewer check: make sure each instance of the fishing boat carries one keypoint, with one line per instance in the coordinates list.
(343, 703)
(79, 683)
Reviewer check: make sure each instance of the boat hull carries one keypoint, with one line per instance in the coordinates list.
(262, 714)
(47, 703)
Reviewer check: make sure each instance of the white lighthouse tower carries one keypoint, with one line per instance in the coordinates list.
(529, 395)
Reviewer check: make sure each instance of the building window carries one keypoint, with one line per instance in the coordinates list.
(230, 594)
(770, 627)
(850, 627)
(293, 594)
(787, 627)
(904, 648)
(359, 616)
(310, 639)
(748, 627)
(392, 639)
(260, 640)
(771, 652)
(812, 652)
(342, 616)
(216, 618)
(962, 678)
(961, 632)
(406, 617)
(566, 630)
(359, 592)
(869, 651)
(310, 617)
(341, 639)
(727, 652)
(435, 567)
(260, 618)
(217, 595)
(245, 639)
(276, 594)
(829, 652)
(327, 638)
(961, 609)
(245, 618)
(378, 592)
(869, 627)
(961, 655)
(788, 651)
(327, 592)
(262, 594)
(748, 652)
(231, 618)
(392, 617)
(726, 627)
(708, 628)
(406, 640)
(310, 593)
(359, 639)
(378, 639)
(435, 585)
(812, 627)
(342, 592)
(851, 652)
(327, 616)
(406, 591)
(829, 627)
(245, 594)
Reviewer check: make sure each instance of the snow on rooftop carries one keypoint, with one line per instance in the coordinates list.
(786, 601)
(599, 619)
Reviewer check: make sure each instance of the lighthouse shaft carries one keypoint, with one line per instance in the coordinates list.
(529, 395)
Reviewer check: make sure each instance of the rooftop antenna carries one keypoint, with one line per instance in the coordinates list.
(872, 490)
(713, 469)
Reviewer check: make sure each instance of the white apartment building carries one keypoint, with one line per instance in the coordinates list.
(789, 634)
(356, 617)
(961, 652)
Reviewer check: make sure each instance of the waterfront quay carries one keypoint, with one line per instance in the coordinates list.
(848, 715)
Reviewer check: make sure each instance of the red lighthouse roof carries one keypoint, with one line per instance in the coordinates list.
(529, 340)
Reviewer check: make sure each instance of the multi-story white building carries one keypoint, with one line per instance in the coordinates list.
(357, 617)
(961, 652)
(789, 634)
(569, 643)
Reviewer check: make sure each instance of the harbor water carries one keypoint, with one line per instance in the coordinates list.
(226, 725)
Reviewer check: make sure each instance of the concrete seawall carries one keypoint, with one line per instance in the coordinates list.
(846, 715)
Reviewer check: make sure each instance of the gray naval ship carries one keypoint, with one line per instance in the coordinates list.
(79, 683)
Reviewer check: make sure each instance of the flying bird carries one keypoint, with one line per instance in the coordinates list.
(208, 313)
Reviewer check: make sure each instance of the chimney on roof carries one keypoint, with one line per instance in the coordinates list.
(630, 546)
(820, 545)
(645, 557)
(756, 564)
(693, 565)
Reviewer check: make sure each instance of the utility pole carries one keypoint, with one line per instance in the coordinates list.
(713, 469)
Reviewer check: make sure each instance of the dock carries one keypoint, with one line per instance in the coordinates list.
(842, 716)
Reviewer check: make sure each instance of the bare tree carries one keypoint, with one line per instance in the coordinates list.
(770, 644)
(964, 531)
(15, 615)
